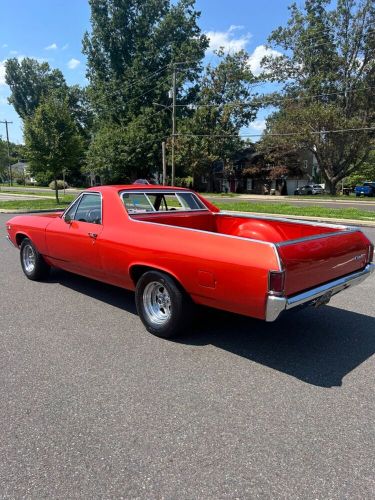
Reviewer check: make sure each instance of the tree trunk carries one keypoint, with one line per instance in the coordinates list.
(331, 187)
(56, 192)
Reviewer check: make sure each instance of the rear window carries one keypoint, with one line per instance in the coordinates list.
(144, 202)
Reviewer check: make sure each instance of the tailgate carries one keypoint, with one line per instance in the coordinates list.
(319, 259)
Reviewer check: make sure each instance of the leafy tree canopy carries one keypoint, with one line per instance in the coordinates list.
(328, 74)
(225, 104)
(52, 140)
(31, 81)
(130, 49)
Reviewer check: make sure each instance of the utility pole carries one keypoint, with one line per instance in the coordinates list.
(173, 122)
(9, 166)
(164, 163)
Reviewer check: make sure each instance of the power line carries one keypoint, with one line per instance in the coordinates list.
(288, 134)
(271, 100)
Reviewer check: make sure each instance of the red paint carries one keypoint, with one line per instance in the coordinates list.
(221, 261)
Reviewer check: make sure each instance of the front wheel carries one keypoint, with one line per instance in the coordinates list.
(32, 263)
(164, 308)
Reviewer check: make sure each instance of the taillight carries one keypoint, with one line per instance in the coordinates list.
(371, 253)
(276, 281)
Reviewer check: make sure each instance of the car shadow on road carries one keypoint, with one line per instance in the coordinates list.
(118, 297)
(319, 347)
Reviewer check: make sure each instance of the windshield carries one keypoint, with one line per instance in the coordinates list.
(142, 202)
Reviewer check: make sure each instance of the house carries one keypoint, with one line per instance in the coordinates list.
(20, 170)
(248, 172)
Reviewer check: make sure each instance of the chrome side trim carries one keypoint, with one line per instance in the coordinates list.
(276, 305)
(316, 237)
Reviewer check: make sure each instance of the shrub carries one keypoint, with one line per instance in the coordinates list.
(60, 185)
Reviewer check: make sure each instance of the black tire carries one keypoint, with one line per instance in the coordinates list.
(33, 265)
(163, 306)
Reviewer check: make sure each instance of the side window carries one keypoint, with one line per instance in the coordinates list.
(137, 203)
(89, 209)
(72, 210)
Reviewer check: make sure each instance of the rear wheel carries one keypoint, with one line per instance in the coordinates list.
(164, 308)
(32, 263)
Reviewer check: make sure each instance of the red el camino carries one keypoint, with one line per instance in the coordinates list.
(175, 249)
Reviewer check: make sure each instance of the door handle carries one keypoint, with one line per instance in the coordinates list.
(93, 235)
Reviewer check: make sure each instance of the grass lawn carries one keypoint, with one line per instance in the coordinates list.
(287, 209)
(37, 204)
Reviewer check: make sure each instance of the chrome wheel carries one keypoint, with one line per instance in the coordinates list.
(28, 258)
(157, 303)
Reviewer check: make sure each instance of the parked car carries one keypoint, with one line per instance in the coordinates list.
(310, 189)
(367, 189)
(176, 249)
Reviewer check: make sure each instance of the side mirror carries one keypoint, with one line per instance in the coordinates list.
(68, 219)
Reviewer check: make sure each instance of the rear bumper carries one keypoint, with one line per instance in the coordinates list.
(316, 296)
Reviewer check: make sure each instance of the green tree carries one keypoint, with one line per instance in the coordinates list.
(365, 172)
(3, 159)
(130, 52)
(52, 139)
(30, 81)
(328, 75)
(224, 104)
(123, 153)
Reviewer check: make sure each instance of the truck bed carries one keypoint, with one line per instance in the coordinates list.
(311, 254)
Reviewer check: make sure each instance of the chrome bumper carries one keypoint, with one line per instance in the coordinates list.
(316, 296)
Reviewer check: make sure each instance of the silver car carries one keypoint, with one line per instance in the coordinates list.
(310, 189)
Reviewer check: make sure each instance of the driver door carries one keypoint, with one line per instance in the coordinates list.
(72, 240)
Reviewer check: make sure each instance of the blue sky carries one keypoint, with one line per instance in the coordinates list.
(52, 30)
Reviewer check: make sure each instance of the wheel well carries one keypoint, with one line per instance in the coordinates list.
(19, 238)
(138, 270)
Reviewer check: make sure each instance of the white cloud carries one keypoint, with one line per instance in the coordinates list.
(2, 72)
(64, 47)
(227, 40)
(4, 46)
(73, 63)
(53, 46)
(235, 27)
(258, 54)
(259, 125)
(13, 52)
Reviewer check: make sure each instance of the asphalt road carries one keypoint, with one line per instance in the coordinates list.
(92, 406)
(15, 197)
